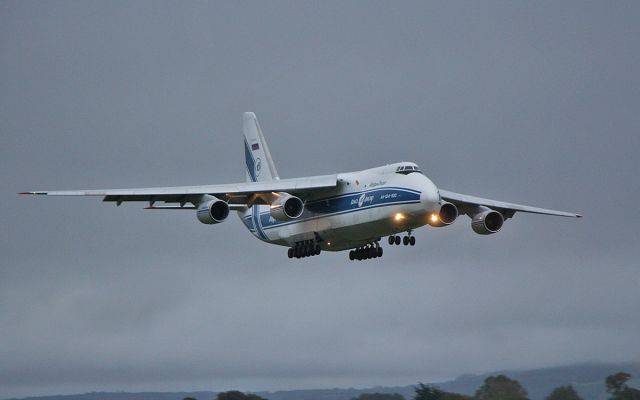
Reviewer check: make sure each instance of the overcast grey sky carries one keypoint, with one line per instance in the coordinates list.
(530, 102)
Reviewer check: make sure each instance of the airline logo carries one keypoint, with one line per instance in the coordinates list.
(362, 200)
(258, 166)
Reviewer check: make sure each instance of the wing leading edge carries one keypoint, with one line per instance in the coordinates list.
(466, 204)
(234, 193)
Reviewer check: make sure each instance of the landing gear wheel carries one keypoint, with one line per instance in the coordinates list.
(405, 240)
(318, 250)
(392, 240)
(371, 252)
(379, 251)
(290, 253)
(397, 240)
(352, 255)
(412, 240)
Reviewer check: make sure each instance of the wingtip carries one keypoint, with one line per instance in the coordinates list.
(578, 215)
(32, 193)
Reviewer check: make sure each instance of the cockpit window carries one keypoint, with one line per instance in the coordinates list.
(407, 169)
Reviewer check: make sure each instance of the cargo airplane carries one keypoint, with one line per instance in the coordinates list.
(346, 211)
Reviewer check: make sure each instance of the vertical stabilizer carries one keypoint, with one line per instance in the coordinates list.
(260, 166)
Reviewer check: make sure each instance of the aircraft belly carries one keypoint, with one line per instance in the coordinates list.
(361, 227)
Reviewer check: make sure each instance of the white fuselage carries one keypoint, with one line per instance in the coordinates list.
(364, 207)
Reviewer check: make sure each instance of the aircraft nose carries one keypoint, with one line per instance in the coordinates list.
(430, 195)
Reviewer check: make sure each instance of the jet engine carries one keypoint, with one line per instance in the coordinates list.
(447, 215)
(286, 207)
(212, 211)
(486, 221)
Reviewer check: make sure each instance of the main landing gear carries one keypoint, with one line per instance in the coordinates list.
(305, 248)
(407, 240)
(372, 250)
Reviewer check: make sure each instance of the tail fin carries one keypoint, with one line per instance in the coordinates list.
(257, 157)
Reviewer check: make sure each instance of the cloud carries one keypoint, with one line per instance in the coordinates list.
(531, 104)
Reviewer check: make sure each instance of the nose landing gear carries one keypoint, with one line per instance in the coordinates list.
(407, 240)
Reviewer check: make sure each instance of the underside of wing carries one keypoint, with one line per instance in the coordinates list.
(468, 205)
(236, 193)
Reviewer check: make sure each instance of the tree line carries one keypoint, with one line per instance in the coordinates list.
(499, 387)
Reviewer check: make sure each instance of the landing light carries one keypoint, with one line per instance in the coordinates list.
(434, 217)
(398, 217)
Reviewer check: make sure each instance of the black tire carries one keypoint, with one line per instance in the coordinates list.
(352, 255)
(290, 253)
(412, 240)
(318, 250)
(373, 253)
(405, 240)
(379, 251)
(392, 240)
(397, 240)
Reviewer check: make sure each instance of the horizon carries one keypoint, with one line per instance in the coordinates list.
(508, 372)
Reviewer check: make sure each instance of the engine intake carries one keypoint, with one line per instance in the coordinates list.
(213, 211)
(447, 215)
(487, 222)
(286, 207)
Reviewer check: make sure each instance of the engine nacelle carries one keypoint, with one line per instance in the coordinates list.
(213, 211)
(447, 215)
(286, 207)
(487, 222)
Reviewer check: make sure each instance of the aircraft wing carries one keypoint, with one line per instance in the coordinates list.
(234, 193)
(466, 204)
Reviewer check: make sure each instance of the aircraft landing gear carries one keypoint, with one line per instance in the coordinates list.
(305, 248)
(407, 240)
(372, 250)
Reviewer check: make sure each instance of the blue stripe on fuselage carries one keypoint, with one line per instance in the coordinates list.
(256, 222)
(346, 203)
(247, 220)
